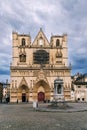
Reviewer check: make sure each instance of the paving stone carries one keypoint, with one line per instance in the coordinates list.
(23, 117)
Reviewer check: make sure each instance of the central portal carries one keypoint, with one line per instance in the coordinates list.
(41, 91)
(41, 96)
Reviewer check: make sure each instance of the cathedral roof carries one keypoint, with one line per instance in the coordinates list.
(40, 35)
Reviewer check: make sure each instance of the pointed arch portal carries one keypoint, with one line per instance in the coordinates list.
(23, 93)
(41, 91)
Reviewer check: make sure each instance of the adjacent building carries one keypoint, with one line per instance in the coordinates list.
(37, 65)
(6, 91)
(80, 87)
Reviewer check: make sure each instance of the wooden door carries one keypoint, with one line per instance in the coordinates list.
(41, 96)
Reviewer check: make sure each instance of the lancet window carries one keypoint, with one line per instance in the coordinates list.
(57, 43)
(23, 42)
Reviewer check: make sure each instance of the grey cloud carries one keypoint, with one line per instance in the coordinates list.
(57, 17)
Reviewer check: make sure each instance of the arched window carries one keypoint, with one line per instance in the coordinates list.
(22, 58)
(23, 42)
(57, 43)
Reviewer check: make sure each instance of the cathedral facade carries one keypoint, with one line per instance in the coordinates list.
(37, 66)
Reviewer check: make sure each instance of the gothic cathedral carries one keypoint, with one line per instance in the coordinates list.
(37, 66)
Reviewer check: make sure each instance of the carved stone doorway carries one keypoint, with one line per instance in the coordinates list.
(23, 94)
(41, 91)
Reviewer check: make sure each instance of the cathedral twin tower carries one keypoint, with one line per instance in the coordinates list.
(37, 66)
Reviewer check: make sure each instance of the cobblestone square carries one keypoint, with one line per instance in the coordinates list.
(23, 117)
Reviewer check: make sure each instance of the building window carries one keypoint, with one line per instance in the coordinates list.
(22, 58)
(23, 42)
(41, 57)
(40, 41)
(57, 43)
(59, 89)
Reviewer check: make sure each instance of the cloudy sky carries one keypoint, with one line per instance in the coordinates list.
(54, 16)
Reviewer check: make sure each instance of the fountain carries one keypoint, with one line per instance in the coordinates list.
(58, 97)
